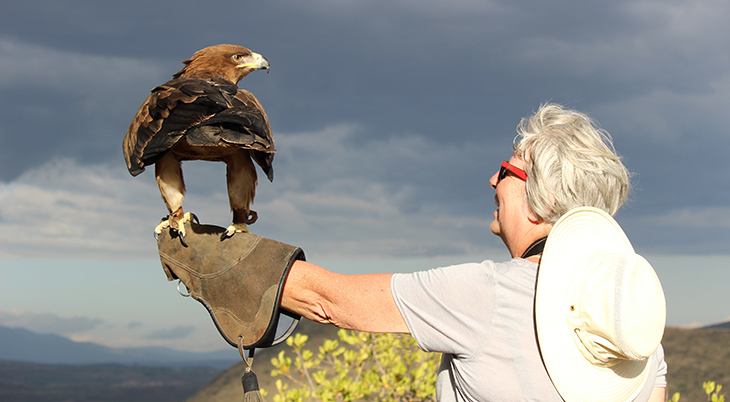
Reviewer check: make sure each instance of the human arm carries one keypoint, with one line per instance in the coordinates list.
(658, 394)
(358, 302)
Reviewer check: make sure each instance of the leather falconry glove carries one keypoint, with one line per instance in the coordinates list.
(239, 281)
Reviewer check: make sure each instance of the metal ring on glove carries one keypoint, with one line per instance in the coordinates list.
(247, 361)
(179, 282)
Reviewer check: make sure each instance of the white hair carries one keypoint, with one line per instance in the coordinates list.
(570, 162)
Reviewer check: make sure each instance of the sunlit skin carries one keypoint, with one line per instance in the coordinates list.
(514, 222)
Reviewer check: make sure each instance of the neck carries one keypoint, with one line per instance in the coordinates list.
(530, 242)
(535, 249)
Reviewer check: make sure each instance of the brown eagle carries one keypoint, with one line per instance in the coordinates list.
(201, 114)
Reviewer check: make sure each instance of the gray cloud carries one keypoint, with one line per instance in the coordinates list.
(65, 104)
(135, 325)
(175, 333)
(68, 210)
(336, 200)
(394, 113)
(49, 323)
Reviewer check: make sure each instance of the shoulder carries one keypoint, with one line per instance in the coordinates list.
(514, 269)
(518, 271)
(451, 273)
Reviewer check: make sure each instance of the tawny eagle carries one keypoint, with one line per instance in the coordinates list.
(201, 114)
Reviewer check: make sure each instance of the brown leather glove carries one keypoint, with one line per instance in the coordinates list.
(239, 280)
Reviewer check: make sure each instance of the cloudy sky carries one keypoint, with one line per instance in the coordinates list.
(389, 117)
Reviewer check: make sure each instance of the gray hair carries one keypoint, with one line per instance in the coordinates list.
(570, 163)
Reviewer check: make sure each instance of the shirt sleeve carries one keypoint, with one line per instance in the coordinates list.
(661, 375)
(659, 366)
(447, 310)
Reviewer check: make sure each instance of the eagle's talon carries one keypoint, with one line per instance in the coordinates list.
(233, 229)
(189, 217)
(182, 239)
(178, 231)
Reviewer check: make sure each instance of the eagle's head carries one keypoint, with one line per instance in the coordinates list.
(230, 62)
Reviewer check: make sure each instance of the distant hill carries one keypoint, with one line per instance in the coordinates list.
(722, 325)
(31, 382)
(80, 371)
(18, 344)
(692, 356)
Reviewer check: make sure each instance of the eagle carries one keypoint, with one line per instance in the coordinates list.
(201, 114)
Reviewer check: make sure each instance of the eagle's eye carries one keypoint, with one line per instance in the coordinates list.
(237, 58)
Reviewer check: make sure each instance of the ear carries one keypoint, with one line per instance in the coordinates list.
(533, 218)
(527, 210)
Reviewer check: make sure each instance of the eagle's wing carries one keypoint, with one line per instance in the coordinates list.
(244, 124)
(168, 112)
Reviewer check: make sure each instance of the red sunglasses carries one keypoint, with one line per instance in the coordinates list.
(508, 168)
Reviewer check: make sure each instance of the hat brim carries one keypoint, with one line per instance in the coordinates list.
(577, 234)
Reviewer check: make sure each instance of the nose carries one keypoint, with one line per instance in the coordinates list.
(493, 180)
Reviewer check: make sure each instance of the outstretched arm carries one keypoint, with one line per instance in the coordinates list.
(358, 302)
(658, 395)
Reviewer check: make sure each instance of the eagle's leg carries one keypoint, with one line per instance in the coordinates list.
(242, 179)
(168, 173)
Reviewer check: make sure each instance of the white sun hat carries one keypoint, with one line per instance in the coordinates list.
(600, 310)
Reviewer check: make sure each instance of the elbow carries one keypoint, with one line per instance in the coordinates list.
(321, 311)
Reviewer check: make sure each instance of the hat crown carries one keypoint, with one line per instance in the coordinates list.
(617, 308)
(601, 350)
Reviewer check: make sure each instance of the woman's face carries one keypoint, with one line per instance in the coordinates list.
(512, 207)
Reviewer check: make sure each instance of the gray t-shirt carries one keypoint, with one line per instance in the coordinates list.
(480, 316)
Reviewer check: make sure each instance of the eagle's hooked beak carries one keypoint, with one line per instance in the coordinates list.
(259, 62)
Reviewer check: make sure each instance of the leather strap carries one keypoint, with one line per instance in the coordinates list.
(535, 248)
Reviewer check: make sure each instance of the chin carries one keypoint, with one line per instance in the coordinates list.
(494, 227)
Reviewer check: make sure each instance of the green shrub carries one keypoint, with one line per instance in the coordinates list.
(711, 389)
(360, 366)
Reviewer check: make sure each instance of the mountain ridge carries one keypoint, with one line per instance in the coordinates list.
(22, 345)
(720, 325)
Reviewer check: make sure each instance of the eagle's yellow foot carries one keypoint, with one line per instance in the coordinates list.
(164, 224)
(241, 219)
(233, 229)
(176, 227)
